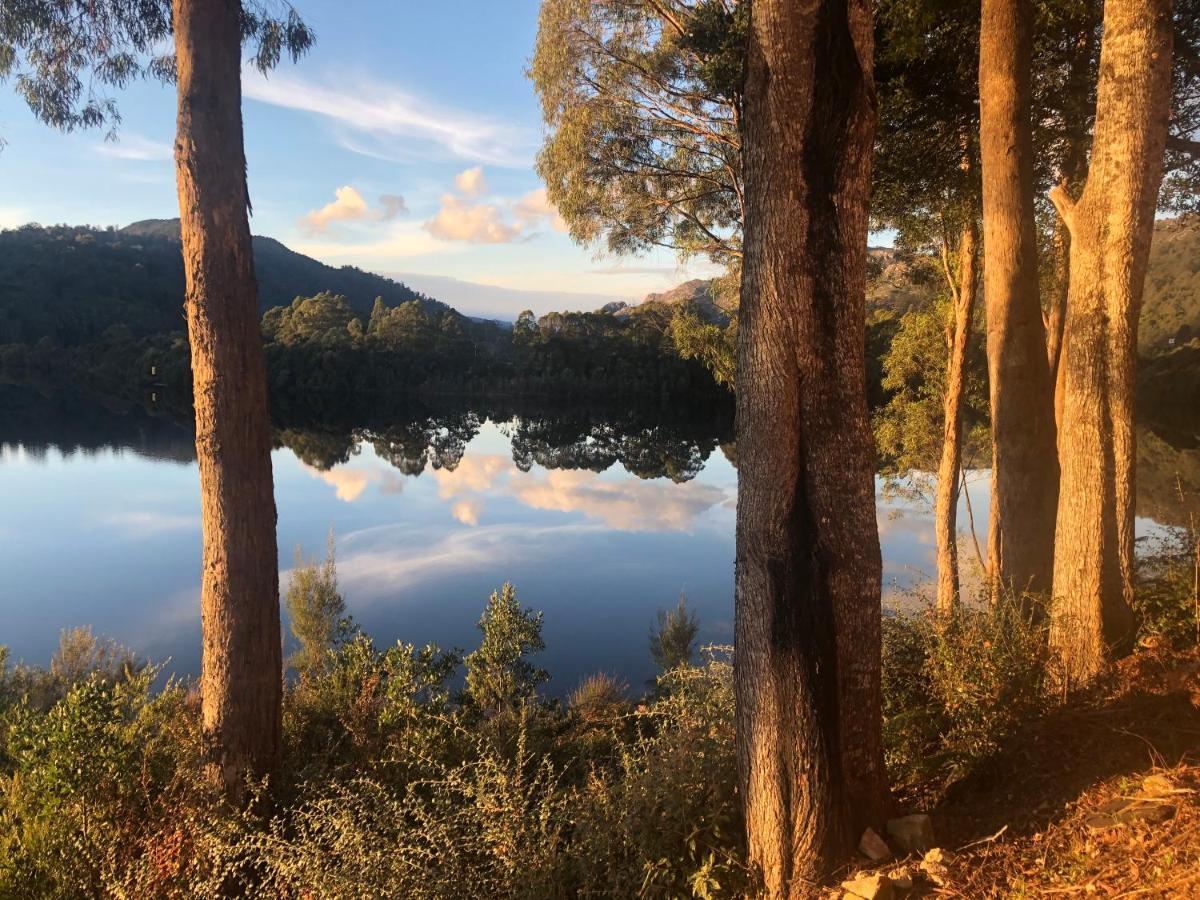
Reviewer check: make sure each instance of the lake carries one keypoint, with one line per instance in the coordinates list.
(598, 519)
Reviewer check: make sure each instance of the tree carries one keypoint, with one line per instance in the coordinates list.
(241, 677)
(673, 640)
(65, 53)
(642, 102)
(926, 186)
(316, 611)
(1111, 225)
(1024, 456)
(499, 676)
(808, 574)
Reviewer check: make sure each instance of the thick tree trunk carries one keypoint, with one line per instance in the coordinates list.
(1024, 459)
(1111, 227)
(808, 564)
(241, 679)
(946, 501)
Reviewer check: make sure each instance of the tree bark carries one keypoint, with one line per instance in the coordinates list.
(808, 566)
(946, 501)
(1111, 227)
(241, 678)
(1024, 458)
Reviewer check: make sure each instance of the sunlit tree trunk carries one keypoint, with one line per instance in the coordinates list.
(808, 566)
(241, 679)
(946, 501)
(1111, 227)
(1024, 460)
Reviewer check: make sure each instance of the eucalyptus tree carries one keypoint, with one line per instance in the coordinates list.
(926, 187)
(807, 677)
(1024, 457)
(63, 54)
(642, 102)
(1111, 224)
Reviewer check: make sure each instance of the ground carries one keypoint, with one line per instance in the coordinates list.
(1038, 822)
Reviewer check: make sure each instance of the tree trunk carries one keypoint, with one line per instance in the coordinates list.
(241, 678)
(946, 501)
(1111, 228)
(1024, 458)
(808, 566)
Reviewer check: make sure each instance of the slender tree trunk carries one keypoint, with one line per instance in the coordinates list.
(1024, 458)
(808, 566)
(1111, 227)
(946, 501)
(241, 679)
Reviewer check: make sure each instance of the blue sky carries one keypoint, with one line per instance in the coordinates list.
(403, 143)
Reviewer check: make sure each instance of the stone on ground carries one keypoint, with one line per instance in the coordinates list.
(913, 833)
(873, 847)
(872, 886)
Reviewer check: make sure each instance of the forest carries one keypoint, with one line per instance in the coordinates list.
(1031, 730)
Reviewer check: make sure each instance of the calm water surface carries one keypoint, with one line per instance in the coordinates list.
(597, 523)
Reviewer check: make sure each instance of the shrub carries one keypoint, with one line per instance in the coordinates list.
(672, 642)
(1165, 601)
(316, 611)
(499, 675)
(954, 691)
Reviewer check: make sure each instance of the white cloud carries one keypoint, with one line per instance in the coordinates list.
(135, 146)
(467, 511)
(535, 207)
(348, 205)
(350, 482)
(480, 223)
(395, 119)
(472, 182)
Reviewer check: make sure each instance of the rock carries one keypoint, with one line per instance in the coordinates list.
(1157, 786)
(901, 879)
(869, 887)
(913, 833)
(873, 847)
(934, 865)
(1122, 812)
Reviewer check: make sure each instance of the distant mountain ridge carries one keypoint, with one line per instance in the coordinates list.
(71, 283)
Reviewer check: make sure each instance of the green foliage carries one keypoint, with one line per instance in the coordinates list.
(673, 641)
(316, 611)
(712, 344)
(1165, 600)
(909, 428)
(99, 793)
(499, 675)
(64, 53)
(954, 691)
(640, 100)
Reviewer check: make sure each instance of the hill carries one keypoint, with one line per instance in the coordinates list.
(1171, 306)
(71, 283)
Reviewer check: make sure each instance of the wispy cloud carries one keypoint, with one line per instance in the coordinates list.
(134, 146)
(395, 119)
(150, 523)
(349, 205)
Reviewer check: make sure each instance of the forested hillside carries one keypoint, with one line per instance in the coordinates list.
(70, 283)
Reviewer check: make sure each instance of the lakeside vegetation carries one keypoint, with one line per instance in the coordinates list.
(1021, 151)
(418, 772)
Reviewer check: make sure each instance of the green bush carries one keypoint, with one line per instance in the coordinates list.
(953, 691)
(1165, 600)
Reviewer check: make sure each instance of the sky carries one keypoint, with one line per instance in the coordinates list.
(403, 143)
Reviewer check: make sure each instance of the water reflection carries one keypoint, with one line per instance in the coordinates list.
(599, 517)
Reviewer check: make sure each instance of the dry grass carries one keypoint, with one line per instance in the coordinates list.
(1021, 828)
